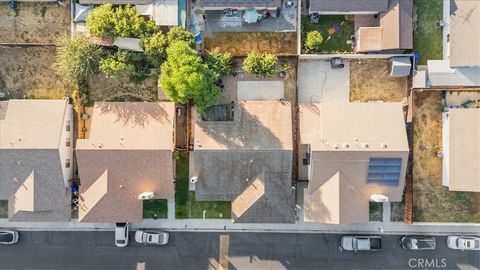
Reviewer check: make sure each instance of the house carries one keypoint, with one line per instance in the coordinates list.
(245, 157)
(380, 25)
(461, 149)
(36, 155)
(127, 158)
(271, 5)
(351, 154)
(460, 66)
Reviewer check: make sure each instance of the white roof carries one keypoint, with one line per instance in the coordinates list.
(132, 44)
(441, 74)
(146, 10)
(166, 12)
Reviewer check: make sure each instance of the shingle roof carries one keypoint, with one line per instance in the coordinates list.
(129, 152)
(248, 161)
(348, 5)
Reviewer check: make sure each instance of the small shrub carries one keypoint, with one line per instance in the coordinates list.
(314, 41)
(260, 64)
(219, 63)
(178, 33)
(117, 65)
(155, 47)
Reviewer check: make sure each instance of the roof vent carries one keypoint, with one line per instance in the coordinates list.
(344, 145)
(335, 146)
(364, 145)
(383, 145)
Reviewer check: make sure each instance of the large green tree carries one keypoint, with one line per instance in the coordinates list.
(260, 64)
(184, 77)
(77, 58)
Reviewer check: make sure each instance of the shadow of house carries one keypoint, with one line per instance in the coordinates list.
(248, 161)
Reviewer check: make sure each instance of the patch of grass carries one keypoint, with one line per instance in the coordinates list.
(397, 211)
(427, 39)
(432, 201)
(338, 41)
(155, 209)
(3, 209)
(240, 43)
(185, 204)
(376, 211)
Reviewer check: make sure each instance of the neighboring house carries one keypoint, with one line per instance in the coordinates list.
(128, 155)
(460, 66)
(245, 156)
(461, 149)
(36, 155)
(351, 154)
(379, 24)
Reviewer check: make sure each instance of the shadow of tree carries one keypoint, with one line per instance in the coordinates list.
(136, 113)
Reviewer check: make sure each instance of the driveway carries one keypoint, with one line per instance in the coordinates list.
(318, 82)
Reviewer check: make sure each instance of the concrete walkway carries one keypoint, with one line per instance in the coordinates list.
(219, 225)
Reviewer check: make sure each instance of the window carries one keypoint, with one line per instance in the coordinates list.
(67, 163)
(67, 142)
(384, 170)
(67, 127)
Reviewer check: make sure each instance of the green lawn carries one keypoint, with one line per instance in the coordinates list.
(338, 41)
(427, 39)
(376, 211)
(185, 204)
(155, 209)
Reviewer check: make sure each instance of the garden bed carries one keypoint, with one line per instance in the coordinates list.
(185, 205)
(337, 43)
(432, 201)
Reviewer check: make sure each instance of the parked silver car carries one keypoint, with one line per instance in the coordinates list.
(464, 242)
(151, 238)
(121, 234)
(8, 237)
(414, 242)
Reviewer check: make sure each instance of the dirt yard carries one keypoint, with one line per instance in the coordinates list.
(103, 89)
(33, 22)
(240, 44)
(28, 72)
(370, 80)
(432, 201)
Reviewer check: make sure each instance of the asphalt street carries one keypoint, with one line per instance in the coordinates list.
(96, 250)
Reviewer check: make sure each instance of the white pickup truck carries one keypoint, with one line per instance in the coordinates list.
(360, 243)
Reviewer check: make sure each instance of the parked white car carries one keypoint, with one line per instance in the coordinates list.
(121, 234)
(151, 238)
(8, 237)
(464, 242)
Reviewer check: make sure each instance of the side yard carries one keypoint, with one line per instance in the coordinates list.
(185, 204)
(28, 72)
(241, 43)
(432, 201)
(427, 38)
(34, 22)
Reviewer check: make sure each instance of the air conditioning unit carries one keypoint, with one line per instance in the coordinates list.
(194, 179)
(146, 196)
(379, 198)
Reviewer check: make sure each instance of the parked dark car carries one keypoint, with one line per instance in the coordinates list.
(8, 237)
(413, 242)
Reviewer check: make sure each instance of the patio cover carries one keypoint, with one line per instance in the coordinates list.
(132, 44)
(441, 74)
(166, 12)
(145, 10)
(251, 15)
(81, 12)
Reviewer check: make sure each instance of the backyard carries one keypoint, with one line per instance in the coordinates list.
(432, 201)
(240, 44)
(112, 89)
(333, 42)
(185, 204)
(370, 80)
(34, 22)
(427, 39)
(28, 72)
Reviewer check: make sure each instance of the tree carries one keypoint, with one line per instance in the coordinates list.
(117, 65)
(260, 64)
(101, 21)
(219, 63)
(178, 33)
(123, 21)
(155, 47)
(313, 42)
(77, 58)
(184, 77)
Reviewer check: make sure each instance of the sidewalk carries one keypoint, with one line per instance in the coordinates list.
(226, 225)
